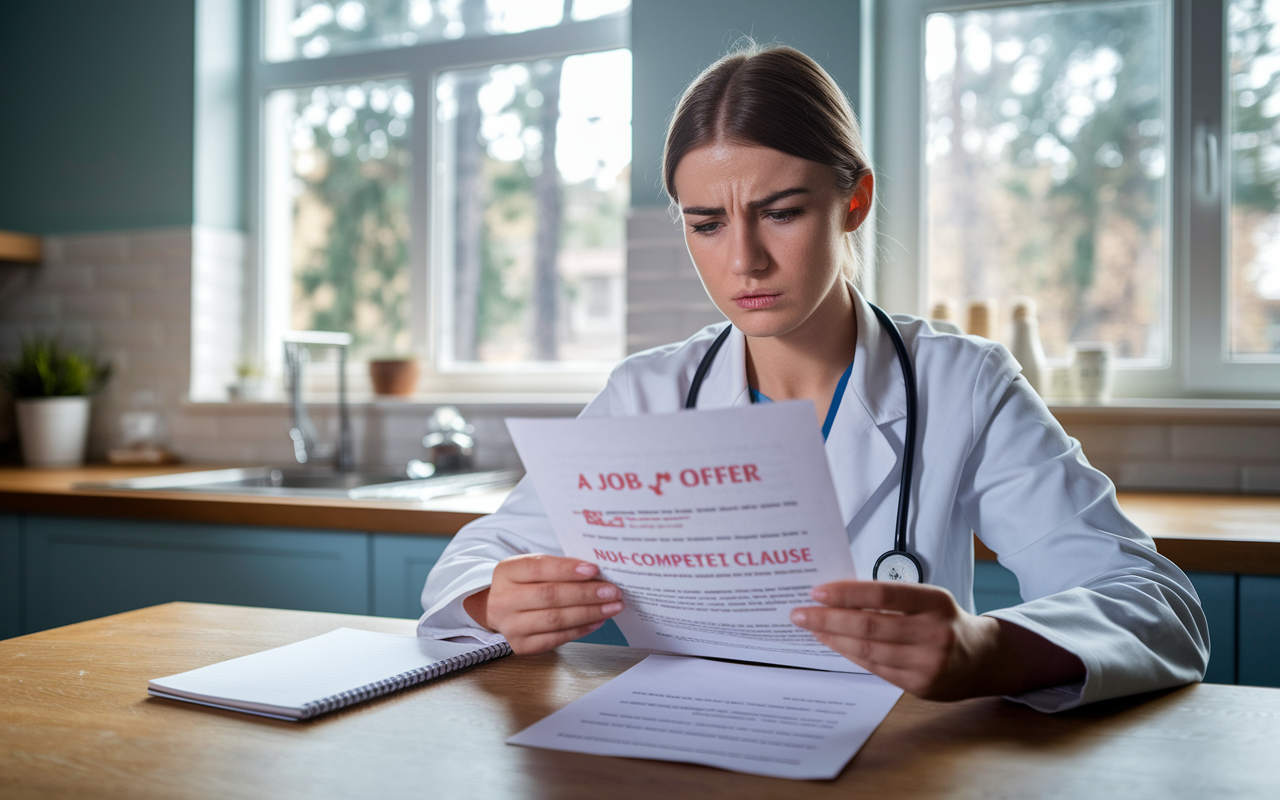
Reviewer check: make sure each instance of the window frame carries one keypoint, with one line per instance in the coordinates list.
(1198, 361)
(419, 66)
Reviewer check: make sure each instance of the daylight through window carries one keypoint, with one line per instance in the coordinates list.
(532, 186)
(1253, 46)
(1046, 157)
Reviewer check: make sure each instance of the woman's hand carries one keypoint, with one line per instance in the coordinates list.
(917, 637)
(540, 602)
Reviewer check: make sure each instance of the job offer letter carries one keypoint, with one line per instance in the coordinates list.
(715, 524)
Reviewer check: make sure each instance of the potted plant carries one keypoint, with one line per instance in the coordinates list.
(51, 384)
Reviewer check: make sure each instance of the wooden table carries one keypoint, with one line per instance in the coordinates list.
(75, 721)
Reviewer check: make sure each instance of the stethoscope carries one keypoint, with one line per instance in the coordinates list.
(898, 564)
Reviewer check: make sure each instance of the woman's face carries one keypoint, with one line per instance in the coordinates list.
(766, 232)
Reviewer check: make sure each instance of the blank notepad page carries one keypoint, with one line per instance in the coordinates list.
(313, 669)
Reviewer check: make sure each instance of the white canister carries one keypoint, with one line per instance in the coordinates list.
(53, 430)
(1091, 370)
(1026, 347)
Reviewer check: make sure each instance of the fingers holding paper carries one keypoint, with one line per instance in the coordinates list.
(539, 602)
(912, 635)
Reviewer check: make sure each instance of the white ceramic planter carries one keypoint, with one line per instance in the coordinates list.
(53, 430)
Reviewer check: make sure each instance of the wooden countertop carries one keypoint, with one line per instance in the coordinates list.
(51, 492)
(76, 721)
(1204, 532)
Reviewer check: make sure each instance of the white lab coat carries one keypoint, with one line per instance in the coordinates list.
(990, 459)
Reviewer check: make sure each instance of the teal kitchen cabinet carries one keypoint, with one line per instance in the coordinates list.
(1259, 663)
(994, 587)
(82, 568)
(10, 575)
(1217, 592)
(400, 567)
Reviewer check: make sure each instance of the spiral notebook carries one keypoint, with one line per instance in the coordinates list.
(321, 674)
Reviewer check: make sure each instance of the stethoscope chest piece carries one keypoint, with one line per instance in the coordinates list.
(898, 565)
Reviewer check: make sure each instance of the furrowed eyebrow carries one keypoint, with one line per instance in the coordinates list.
(709, 211)
(776, 196)
(702, 211)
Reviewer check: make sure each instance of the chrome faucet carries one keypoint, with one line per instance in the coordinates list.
(306, 449)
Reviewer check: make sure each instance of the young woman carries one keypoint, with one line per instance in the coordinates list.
(764, 162)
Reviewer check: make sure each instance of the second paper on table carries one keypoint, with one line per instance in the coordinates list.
(715, 524)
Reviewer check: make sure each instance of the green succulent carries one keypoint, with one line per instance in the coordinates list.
(47, 368)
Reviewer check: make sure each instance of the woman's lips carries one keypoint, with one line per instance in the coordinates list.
(752, 302)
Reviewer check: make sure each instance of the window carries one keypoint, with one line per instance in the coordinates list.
(447, 179)
(1070, 151)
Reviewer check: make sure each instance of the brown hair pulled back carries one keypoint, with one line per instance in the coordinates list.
(771, 96)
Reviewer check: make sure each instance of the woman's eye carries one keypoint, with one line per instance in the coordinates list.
(783, 215)
(706, 227)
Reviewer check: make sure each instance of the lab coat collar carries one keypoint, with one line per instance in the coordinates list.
(861, 456)
(877, 375)
(859, 453)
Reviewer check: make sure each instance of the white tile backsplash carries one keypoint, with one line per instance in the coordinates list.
(651, 223)
(97, 306)
(1167, 475)
(665, 299)
(96, 248)
(1134, 441)
(59, 277)
(1260, 479)
(1225, 442)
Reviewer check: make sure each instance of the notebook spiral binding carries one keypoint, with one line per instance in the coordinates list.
(404, 679)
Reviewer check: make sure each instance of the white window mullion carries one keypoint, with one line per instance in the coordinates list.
(1201, 129)
(422, 297)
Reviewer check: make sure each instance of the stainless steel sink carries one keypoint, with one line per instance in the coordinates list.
(375, 484)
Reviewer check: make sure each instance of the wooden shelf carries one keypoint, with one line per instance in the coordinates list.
(22, 248)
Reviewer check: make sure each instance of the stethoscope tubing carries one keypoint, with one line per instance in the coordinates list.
(909, 445)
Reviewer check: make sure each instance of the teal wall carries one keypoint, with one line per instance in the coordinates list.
(672, 40)
(96, 110)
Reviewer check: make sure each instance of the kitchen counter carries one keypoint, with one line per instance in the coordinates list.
(50, 491)
(1201, 532)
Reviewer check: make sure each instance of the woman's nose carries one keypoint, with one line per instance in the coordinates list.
(746, 252)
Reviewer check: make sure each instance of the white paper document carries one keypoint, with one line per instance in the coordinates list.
(715, 524)
(785, 723)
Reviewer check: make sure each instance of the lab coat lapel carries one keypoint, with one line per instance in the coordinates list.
(726, 382)
(861, 456)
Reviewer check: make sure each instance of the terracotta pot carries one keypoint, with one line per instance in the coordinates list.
(396, 376)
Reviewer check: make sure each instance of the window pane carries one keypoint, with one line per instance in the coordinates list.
(1254, 45)
(532, 175)
(1046, 157)
(316, 28)
(348, 189)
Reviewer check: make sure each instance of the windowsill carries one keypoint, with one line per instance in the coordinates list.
(1162, 411)
(1121, 410)
(543, 400)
